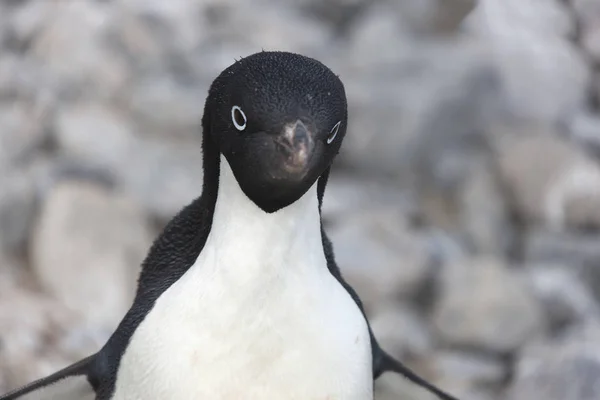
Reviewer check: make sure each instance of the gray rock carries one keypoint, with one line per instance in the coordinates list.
(72, 46)
(543, 84)
(550, 180)
(566, 299)
(484, 214)
(163, 176)
(433, 16)
(578, 250)
(466, 369)
(22, 78)
(584, 129)
(393, 387)
(485, 305)
(569, 248)
(419, 107)
(591, 39)
(350, 193)
(22, 130)
(30, 323)
(94, 134)
(17, 210)
(379, 257)
(401, 331)
(563, 370)
(87, 249)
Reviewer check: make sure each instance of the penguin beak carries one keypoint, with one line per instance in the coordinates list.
(296, 145)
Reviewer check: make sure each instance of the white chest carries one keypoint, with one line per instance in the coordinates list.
(258, 316)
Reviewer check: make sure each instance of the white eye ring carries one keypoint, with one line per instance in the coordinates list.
(333, 133)
(236, 116)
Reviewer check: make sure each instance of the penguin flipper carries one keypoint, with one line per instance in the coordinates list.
(70, 383)
(388, 363)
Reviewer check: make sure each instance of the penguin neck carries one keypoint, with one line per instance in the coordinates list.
(244, 236)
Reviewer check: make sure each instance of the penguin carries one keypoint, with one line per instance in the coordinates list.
(240, 296)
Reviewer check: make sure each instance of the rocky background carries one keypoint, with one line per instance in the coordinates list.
(465, 206)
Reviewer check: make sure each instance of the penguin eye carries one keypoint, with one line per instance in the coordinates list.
(238, 118)
(333, 133)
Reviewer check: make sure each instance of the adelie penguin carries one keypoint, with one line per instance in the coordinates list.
(240, 296)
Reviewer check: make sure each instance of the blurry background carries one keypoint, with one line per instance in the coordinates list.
(464, 207)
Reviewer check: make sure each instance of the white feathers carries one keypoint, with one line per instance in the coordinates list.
(238, 118)
(258, 316)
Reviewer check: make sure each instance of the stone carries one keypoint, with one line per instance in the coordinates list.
(72, 46)
(350, 193)
(380, 258)
(161, 175)
(390, 387)
(86, 251)
(26, 21)
(591, 39)
(95, 134)
(22, 130)
(35, 338)
(543, 84)
(551, 181)
(401, 331)
(579, 251)
(420, 107)
(568, 369)
(484, 214)
(565, 298)
(469, 369)
(584, 129)
(17, 209)
(484, 305)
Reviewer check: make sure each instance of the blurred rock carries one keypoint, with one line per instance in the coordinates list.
(36, 340)
(87, 249)
(94, 134)
(163, 176)
(401, 331)
(393, 387)
(433, 16)
(551, 181)
(544, 75)
(404, 105)
(565, 370)
(379, 257)
(565, 298)
(584, 129)
(351, 193)
(591, 39)
(71, 44)
(577, 249)
(484, 214)
(22, 130)
(17, 210)
(485, 305)
(468, 369)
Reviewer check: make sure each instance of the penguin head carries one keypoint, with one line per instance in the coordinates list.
(279, 119)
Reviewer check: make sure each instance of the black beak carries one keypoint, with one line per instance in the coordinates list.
(296, 145)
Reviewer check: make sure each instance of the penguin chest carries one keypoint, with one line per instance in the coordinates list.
(291, 334)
